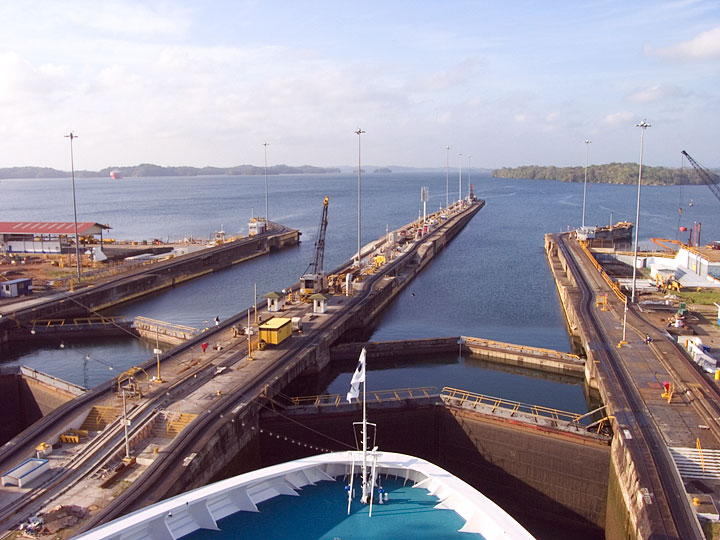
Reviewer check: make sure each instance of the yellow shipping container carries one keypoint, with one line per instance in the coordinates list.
(276, 330)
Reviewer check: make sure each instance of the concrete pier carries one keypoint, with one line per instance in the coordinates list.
(546, 360)
(119, 288)
(223, 386)
(647, 421)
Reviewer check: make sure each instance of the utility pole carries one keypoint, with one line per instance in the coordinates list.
(72, 136)
(642, 125)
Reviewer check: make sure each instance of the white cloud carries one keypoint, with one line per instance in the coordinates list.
(656, 92)
(705, 46)
(621, 117)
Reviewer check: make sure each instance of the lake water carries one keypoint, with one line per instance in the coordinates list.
(492, 281)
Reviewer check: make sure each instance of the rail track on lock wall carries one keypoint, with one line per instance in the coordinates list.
(157, 479)
(154, 484)
(652, 460)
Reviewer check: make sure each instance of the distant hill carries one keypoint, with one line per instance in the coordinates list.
(148, 169)
(611, 173)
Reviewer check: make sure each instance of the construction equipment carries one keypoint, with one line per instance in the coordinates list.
(313, 280)
(710, 179)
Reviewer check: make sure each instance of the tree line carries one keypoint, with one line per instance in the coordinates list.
(610, 173)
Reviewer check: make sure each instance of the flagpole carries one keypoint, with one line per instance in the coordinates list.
(364, 428)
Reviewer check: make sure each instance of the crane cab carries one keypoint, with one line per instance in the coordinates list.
(313, 283)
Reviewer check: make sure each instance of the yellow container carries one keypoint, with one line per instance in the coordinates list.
(276, 330)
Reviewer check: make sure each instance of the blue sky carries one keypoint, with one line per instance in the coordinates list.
(509, 83)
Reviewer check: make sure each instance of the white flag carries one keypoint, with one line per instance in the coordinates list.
(357, 378)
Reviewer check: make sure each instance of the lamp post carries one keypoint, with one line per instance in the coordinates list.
(468, 175)
(587, 152)
(72, 136)
(642, 125)
(460, 179)
(447, 176)
(358, 132)
(267, 215)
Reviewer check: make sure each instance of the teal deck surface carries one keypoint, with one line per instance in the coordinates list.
(320, 513)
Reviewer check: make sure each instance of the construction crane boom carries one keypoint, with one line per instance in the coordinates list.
(710, 179)
(313, 279)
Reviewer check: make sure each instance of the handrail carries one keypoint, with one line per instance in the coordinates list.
(379, 396)
(537, 411)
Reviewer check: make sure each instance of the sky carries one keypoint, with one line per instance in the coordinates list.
(504, 83)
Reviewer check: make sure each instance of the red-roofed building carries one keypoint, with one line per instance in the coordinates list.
(44, 236)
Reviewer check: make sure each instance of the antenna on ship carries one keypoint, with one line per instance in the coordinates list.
(354, 392)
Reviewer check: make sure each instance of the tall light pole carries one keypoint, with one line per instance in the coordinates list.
(447, 176)
(587, 153)
(642, 125)
(267, 215)
(460, 178)
(358, 132)
(468, 182)
(72, 136)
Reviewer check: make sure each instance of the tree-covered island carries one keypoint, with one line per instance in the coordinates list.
(610, 173)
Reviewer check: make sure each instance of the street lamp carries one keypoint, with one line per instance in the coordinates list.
(447, 176)
(642, 125)
(468, 182)
(358, 132)
(587, 152)
(77, 239)
(460, 179)
(267, 215)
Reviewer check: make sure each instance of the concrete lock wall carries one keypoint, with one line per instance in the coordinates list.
(24, 401)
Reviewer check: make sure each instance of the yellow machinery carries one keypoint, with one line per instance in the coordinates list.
(275, 331)
(667, 283)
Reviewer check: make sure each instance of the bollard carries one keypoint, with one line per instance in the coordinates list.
(717, 374)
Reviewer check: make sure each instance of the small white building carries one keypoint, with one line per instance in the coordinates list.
(275, 301)
(15, 288)
(319, 303)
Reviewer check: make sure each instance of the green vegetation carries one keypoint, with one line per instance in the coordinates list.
(704, 296)
(610, 173)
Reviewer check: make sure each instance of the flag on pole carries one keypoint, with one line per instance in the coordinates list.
(357, 378)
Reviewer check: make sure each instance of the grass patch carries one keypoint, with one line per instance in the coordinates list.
(704, 296)
(121, 486)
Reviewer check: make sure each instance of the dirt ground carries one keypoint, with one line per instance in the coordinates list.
(39, 268)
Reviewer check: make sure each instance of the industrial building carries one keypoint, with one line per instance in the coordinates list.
(30, 237)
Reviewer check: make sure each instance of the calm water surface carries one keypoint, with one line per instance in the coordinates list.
(492, 281)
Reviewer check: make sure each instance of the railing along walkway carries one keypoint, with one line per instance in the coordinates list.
(509, 408)
(376, 396)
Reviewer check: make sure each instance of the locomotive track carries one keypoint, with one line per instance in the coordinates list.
(668, 508)
(155, 481)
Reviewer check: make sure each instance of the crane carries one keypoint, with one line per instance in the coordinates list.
(314, 280)
(710, 179)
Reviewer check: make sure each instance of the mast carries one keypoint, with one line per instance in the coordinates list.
(364, 444)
